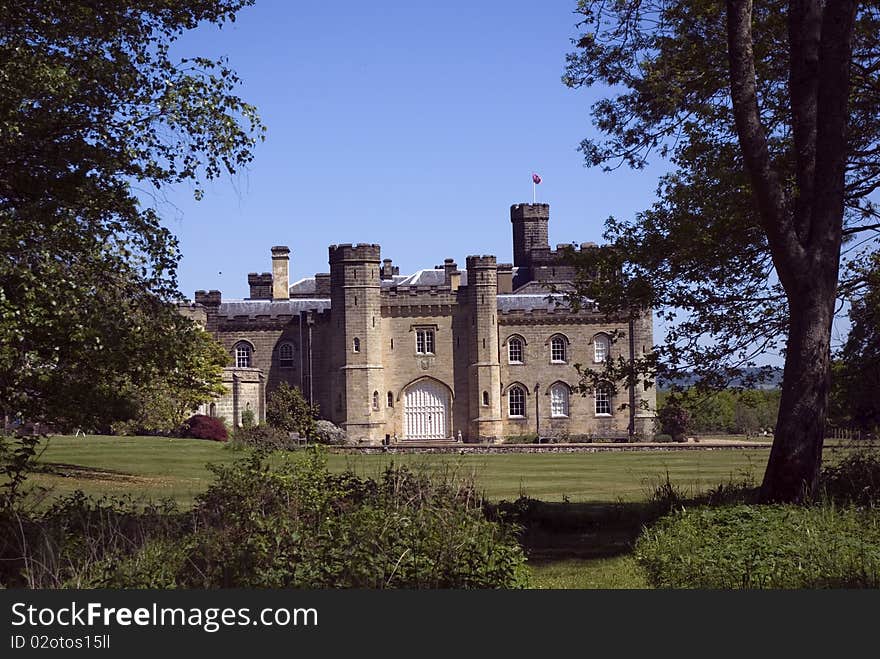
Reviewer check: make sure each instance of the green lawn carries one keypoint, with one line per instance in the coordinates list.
(160, 467)
(603, 482)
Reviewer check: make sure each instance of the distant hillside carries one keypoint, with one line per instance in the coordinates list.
(774, 382)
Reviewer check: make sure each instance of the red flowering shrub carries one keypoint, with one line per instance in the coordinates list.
(200, 426)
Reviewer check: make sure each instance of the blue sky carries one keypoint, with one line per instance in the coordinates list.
(414, 125)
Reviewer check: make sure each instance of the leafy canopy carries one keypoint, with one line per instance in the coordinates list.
(93, 109)
(699, 254)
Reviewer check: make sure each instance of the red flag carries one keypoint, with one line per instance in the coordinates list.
(536, 178)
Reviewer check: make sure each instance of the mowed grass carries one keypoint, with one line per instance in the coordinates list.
(158, 467)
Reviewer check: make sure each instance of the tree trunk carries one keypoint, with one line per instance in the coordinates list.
(793, 469)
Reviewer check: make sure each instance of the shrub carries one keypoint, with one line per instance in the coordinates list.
(673, 420)
(528, 438)
(288, 410)
(748, 546)
(326, 432)
(78, 541)
(200, 426)
(662, 437)
(854, 479)
(248, 420)
(294, 524)
(264, 437)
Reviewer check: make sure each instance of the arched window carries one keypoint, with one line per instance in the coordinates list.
(213, 410)
(515, 350)
(557, 350)
(243, 352)
(285, 355)
(375, 400)
(516, 402)
(356, 345)
(602, 397)
(485, 399)
(390, 399)
(559, 400)
(601, 345)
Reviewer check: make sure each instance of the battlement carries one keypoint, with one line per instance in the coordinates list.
(264, 279)
(354, 253)
(485, 261)
(208, 299)
(520, 212)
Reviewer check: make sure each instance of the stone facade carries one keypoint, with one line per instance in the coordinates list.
(481, 354)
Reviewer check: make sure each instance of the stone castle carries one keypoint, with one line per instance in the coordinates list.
(479, 354)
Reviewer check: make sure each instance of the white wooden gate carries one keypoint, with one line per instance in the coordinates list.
(426, 410)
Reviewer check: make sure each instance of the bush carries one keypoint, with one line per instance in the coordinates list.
(297, 525)
(662, 438)
(326, 432)
(748, 546)
(673, 420)
(264, 437)
(248, 420)
(200, 426)
(854, 479)
(288, 410)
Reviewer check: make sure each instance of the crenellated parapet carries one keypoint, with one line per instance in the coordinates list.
(357, 253)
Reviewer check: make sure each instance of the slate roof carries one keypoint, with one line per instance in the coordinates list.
(272, 308)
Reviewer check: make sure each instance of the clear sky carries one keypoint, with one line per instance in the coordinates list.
(414, 125)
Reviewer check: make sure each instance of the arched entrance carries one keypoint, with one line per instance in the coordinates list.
(426, 410)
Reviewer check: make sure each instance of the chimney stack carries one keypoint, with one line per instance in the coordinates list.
(280, 272)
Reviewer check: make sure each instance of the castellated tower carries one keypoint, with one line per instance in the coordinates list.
(529, 231)
(484, 371)
(356, 342)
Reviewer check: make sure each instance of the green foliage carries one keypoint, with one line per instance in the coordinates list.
(78, 540)
(728, 410)
(673, 420)
(162, 404)
(248, 419)
(287, 409)
(854, 479)
(763, 547)
(263, 437)
(94, 107)
(855, 398)
(296, 525)
(275, 523)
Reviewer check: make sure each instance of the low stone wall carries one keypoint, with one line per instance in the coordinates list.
(464, 449)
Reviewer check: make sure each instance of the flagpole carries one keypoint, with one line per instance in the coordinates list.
(534, 194)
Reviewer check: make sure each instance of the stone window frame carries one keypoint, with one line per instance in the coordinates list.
(243, 350)
(517, 393)
(560, 400)
(356, 345)
(425, 339)
(376, 401)
(558, 342)
(389, 399)
(516, 340)
(281, 355)
(601, 339)
(602, 400)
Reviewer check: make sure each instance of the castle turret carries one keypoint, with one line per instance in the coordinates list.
(484, 371)
(530, 231)
(356, 329)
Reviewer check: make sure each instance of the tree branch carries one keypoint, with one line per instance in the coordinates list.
(789, 255)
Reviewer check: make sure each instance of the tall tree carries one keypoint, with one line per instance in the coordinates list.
(93, 111)
(767, 113)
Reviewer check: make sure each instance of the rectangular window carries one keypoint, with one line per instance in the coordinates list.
(425, 341)
(603, 402)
